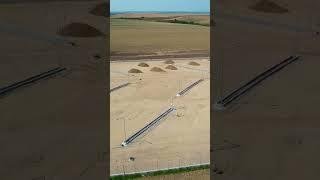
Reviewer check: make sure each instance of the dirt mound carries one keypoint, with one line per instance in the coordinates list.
(143, 64)
(157, 69)
(268, 7)
(79, 30)
(134, 71)
(100, 9)
(169, 62)
(171, 67)
(192, 63)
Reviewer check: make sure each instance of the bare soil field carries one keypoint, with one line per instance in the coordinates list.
(45, 125)
(136, 39)
(182, 138)
(275, 125)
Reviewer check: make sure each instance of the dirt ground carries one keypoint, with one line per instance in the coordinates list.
(136, 39)
(182, 139)
(42, 130)
(276, 123)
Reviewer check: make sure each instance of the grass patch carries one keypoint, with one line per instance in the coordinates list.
(187, 22)
(160, 173)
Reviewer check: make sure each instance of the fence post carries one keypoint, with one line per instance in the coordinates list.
(124, 173)
(157, 164)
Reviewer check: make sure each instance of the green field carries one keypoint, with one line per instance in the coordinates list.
(138, 36)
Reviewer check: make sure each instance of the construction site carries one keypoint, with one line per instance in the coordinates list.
(265, 93)
(159, 92)
(159, 115)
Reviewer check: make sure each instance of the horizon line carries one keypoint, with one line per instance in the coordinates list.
(161, 11)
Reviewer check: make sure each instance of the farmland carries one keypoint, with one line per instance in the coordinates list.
(153, 88)
(142, 38)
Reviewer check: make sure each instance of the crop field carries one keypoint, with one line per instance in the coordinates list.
(137, 37)
(195, 19)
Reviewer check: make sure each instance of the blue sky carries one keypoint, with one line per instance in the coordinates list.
(160, 5)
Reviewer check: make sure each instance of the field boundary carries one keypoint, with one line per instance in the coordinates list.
(158, 59)
(175, 21)
(165, 170)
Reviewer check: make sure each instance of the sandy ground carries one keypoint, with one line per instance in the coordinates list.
(53, 128)
(182, 139)
(275, 124)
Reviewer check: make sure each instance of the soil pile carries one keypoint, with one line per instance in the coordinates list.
(143, 65)
(169, 62)
(79, 30)
(157, 69)
(268, 7)
(134, 71)
(100, 9)
(171, 67)
(192, 63)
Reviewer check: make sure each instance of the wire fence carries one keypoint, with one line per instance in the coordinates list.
(165, 169)
(126, 167)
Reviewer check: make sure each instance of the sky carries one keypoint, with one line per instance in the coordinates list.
(160, 5)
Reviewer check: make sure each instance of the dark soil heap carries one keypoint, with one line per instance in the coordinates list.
(268, 7)
(169, 62)
(171, 67)
(157, 69)
(134, 71)
(143, 64)
(192, 63)
(79, 30)
(100, 10)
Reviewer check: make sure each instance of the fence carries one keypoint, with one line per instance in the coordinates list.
(127, 166)
(156, 170)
